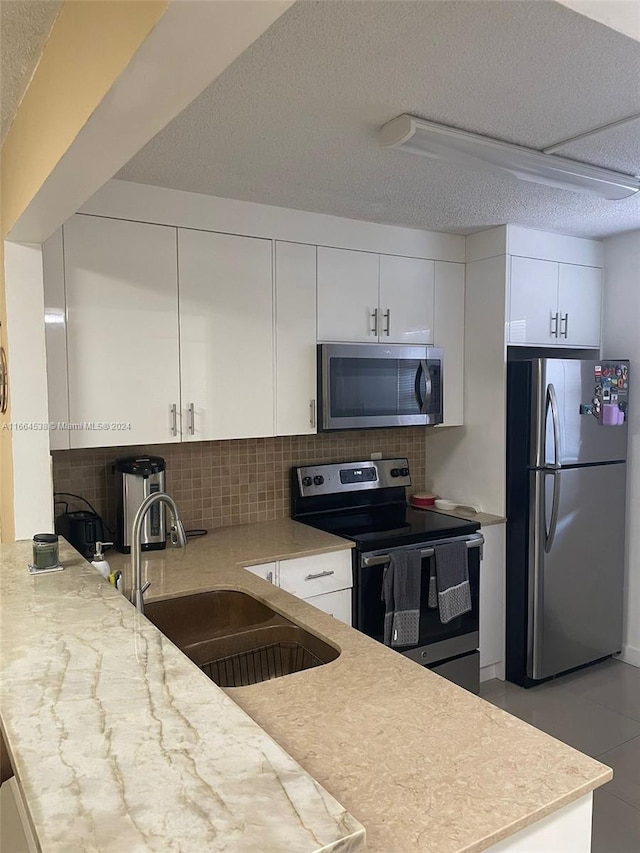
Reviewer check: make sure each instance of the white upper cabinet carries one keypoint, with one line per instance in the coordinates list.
(226, 335)
(533, 313)
(295, 276)
(554, 304)
(406, 300)
(122, 331)
(364, 298)
(579, 304)
(449, 335)
(347, 295)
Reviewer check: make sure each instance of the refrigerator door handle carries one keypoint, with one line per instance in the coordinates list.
(549, 535)
(552, 403)
(537, 537)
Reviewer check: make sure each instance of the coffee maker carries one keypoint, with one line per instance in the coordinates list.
(137, 477)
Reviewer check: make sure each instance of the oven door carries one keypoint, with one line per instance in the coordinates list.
(437, 641)
(378, 385)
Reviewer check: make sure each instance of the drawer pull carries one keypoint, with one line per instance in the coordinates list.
(319, 575)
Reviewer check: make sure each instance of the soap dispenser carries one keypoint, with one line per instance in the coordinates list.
(99, 562)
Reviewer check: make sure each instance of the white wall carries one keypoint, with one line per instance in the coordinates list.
(621, 339)
(32, 488)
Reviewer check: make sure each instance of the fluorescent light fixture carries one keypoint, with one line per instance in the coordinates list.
(458, 146)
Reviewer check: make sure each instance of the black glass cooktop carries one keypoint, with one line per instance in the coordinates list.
(386, 527)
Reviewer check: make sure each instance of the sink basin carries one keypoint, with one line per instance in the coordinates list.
(237, 640)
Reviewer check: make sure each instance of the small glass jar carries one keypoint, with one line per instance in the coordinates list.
(45, 551)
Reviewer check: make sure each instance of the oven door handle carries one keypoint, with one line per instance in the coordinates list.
(379, 559)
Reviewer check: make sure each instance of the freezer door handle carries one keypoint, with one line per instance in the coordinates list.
(552, 404)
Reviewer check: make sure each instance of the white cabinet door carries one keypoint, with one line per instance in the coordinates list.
(266, 571)
(226, 335)
(579, 303)
(295, 276)
(55, 332)
(492, 599)
(122, 331)
(533, 312)
(406, 300)
(347, 295)
(449, 334)
(337, 604)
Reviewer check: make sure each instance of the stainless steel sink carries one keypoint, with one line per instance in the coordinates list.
(236, 639)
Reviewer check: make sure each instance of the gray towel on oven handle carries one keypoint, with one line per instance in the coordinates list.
(401, 582)
(452, 574)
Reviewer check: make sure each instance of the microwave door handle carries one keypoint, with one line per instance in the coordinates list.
(423, 370)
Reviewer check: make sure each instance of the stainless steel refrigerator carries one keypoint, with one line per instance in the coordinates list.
(566, 483)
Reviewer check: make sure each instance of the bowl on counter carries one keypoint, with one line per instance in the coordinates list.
(423, 500)
(447, 506)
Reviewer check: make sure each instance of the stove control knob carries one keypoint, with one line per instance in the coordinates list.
(404, 472)
(395, 472)
(306, 481)
(318, 479)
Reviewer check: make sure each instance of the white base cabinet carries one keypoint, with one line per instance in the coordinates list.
(567, 830)
(324, 580)
(336, 604)
(493, 603)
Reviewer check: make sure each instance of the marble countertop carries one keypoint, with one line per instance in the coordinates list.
(424, 765)
(119, 743)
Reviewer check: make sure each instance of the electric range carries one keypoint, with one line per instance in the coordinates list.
(366, 502)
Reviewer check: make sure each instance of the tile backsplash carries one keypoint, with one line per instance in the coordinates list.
(218, 483)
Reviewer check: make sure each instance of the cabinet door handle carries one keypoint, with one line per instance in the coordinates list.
(374, 317)
(319, 575)
(564, 333)
(554, 325)
(192, 419)
(387, 316)
(312, 413)
(174, 419)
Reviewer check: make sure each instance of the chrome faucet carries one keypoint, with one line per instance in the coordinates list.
(177, 537)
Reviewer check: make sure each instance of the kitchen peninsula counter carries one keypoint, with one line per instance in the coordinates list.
(423, 765)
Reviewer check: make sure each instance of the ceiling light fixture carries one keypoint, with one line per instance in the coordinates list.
(458, 146)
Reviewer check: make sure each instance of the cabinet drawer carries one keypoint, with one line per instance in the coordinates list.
(309, 576)
(337, 604)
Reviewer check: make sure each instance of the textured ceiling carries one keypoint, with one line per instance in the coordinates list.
(294, 121)
(24, 27)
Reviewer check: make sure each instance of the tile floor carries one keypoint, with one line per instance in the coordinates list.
(595, 710)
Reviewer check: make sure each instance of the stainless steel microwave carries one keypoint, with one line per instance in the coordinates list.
(361, 386)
